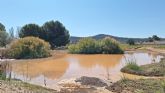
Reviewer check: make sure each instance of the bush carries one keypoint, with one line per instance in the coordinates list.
(84, 46)
(132, 65)
(29, 47)
(110, 46)
(91, 46)
(73, 49)
(4, 53)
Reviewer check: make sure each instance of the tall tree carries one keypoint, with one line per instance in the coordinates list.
(150, 39)
(57, 34)
(2, 27)
(155, 37)
(29, 30)
(52, 31)
(11, 33)
(4, 39)
(18, 31)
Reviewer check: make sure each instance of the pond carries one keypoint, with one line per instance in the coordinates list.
(50, 71)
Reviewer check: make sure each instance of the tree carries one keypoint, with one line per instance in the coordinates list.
(155, 37)
(150, 39)
(30, 30)
(131, 42)
(4, 38)
(53, 32)
(11, 33)
(17, 32)
(56, 33)
(2, 27)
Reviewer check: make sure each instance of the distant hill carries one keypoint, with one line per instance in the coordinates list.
(74, 39)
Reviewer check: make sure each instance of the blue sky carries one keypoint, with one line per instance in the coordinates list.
(125, 18)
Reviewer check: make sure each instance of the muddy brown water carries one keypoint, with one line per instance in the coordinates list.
(50, 71)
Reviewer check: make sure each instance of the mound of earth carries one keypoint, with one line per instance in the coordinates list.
(138, 86)
(91, 81)
(84, 85)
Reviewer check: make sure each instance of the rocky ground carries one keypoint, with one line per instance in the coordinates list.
(138, 86)
(16, 86)
(75, 85)
(84, 85)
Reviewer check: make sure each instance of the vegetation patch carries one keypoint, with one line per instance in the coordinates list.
(91, 46)
(53, 32)
(160, 46)
(138, 86)
(154, 69)
(29, 47)
(132, 65)
(17, 86)
(4, 53)
(128, 47)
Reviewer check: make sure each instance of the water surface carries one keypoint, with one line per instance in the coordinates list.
(49, 71)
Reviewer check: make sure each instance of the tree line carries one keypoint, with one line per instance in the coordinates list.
(149, 39)
(53, 32)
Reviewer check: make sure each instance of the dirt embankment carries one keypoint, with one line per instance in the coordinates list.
(75, 85)
(155, 85)
(138, 86)
(16, 86)
(153, 69)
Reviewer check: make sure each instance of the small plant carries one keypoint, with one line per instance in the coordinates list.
(4, 67)
(132, 65)
(163, 85)
(124, 79)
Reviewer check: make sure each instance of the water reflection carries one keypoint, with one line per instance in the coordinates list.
(89, 61)
(53, 70)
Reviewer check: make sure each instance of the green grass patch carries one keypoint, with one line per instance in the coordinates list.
(153, 69)
(159, 46)
(132, 65)
(130, 47)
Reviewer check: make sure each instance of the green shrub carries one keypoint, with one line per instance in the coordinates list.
(132, 65)
(4, 52)
(73, 49)
(84, 46)
(91, 46)
(29, 47)
(110, 46)
(87, 45)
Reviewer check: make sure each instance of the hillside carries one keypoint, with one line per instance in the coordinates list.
(74, 39)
